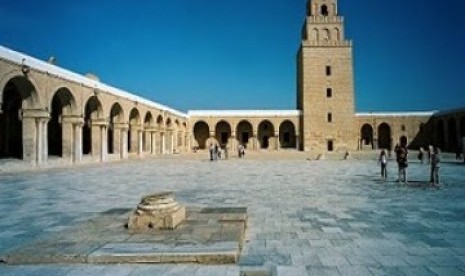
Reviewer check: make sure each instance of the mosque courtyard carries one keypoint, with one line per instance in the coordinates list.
(306, 217)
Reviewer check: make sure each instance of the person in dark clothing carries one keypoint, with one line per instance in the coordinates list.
(435, 160)
(402, 163)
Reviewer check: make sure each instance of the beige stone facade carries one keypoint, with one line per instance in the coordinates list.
(48, 112)
(255, 130)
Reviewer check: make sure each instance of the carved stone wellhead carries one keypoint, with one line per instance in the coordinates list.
(157, 211)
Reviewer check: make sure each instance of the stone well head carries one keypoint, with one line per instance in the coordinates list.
(157, 211)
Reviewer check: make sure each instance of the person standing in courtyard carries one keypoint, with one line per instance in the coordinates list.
(215, 152)
(402, 163)
(421, 155)
(435, 160)
(240, 150)
(383, 162)
(211, 149)
(430, 153)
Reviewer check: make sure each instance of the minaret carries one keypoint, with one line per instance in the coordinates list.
(325, 83)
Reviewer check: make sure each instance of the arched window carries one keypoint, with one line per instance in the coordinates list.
(337, 34)
(316, 35)
(324, 10)
(326, 34)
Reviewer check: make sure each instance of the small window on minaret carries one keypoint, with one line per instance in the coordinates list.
(329, 92)
(330, 117)
(330, 145)
(328, 70)
(324, 10)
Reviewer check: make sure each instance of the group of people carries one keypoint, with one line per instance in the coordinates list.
(217, 152)
(401, 153)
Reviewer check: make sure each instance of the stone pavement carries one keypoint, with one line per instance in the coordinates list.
(305, 217)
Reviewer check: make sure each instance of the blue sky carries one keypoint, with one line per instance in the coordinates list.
(218, 54)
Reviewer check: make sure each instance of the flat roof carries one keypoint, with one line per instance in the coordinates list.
(243, 113)
(397, 114)
(39, 65)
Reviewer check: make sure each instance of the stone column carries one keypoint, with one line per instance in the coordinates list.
(77, 134)
(124, 143)
(140, 143)
(297, 142)
(134, 139)
(153, 141)
(99, 139)
(276, 140)
(120, 139)
(187, 142)
(35, 141)
(255, 140)
(169, 142)
(71, 124)
(148, 141)
(162, 142)
(173, 142)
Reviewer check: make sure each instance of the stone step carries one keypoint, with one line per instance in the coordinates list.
(213, 253)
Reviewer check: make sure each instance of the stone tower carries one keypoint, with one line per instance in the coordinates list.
(325, 85)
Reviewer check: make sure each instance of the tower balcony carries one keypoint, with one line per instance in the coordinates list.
(327, 43)
(325, 19)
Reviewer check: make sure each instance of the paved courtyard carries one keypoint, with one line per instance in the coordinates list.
(305, 217)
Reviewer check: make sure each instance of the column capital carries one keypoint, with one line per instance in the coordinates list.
(35, 113)
(99, 122)
(121, 126)
(135, 127)
(72, 119)
(151, 129)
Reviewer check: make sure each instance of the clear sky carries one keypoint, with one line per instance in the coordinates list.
(218, 54)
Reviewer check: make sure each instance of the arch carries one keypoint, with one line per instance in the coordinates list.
(160, 121)
(384, 136)
(265, 133)
(287, 135)
(134, 117)
(316, 34)
(116, 117)
(62, 103)
(324, 10)
(92, 110)
(27, 88)
(337, 34)
(169, 123)
(147, 136)
(134, 124)
(244, 131)
(366, 134)
(201, 134)
(452, 135)
(148, 120)
(17, 94)
(223, 133)
(326, 34)
(440, 134)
